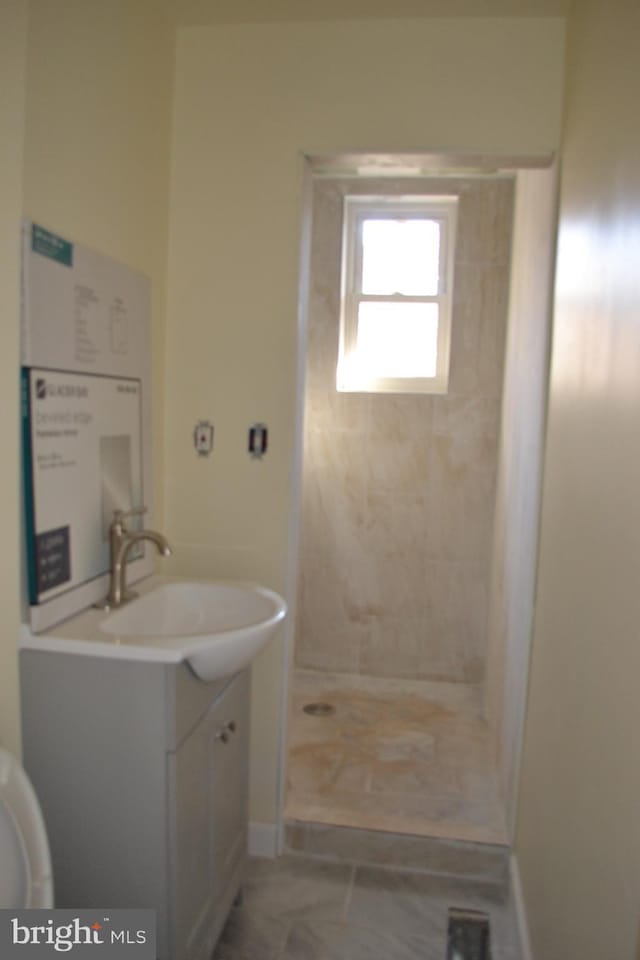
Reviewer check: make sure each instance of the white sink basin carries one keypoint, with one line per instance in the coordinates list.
(221, 626)
(217, 627)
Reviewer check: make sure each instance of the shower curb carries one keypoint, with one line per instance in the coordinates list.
(484, 862)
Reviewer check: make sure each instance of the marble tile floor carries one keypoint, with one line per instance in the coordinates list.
(407, 757)
(297, 908)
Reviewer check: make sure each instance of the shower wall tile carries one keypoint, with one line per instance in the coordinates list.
(482, 215)
(460, 493)
(393, 648)
(478, 330)
(398, 490)
(455, 630)
(400, 416)
(329, 649)
(466, 417)
(396, 466)
(341, 412)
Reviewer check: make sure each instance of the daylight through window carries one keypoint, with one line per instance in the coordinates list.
(397, 275)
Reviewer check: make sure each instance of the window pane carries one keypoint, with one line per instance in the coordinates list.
(397, 339)
(401, 256)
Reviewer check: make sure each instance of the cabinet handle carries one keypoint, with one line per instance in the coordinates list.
(222, 735)
(230, 726)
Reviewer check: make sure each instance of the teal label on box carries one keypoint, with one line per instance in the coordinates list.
(51, 245)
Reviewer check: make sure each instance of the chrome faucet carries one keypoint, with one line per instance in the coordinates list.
(122, 541)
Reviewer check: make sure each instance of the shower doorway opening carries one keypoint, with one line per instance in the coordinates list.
(407, 658)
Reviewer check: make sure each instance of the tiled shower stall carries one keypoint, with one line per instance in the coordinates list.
(396, 549)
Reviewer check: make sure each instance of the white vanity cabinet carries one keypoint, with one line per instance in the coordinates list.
(142, 773)
(208, 778)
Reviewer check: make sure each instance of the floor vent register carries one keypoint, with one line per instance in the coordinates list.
(468, 935)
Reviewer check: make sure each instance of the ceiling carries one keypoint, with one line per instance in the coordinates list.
(201, 12)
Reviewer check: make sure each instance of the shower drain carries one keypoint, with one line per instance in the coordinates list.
(319, 709)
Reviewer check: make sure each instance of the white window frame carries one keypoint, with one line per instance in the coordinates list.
(358, 208)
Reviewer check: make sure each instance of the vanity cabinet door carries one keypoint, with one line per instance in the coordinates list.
(229, 781)
(209, 772)
(190, 902)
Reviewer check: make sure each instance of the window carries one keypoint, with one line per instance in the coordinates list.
(397, 276)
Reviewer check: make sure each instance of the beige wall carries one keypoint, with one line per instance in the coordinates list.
(13, 50)
(398, 491)
(97, 148)
(88, 87)
(254, 11)
(578, 832)
(248, 100)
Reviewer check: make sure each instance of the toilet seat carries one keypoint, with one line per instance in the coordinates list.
(25, 862)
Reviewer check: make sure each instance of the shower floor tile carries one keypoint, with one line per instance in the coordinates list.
(401, 756)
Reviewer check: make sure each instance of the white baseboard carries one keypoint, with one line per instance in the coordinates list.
(263, 839)
(521, 910)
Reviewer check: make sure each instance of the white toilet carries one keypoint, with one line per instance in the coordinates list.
(25, 862)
